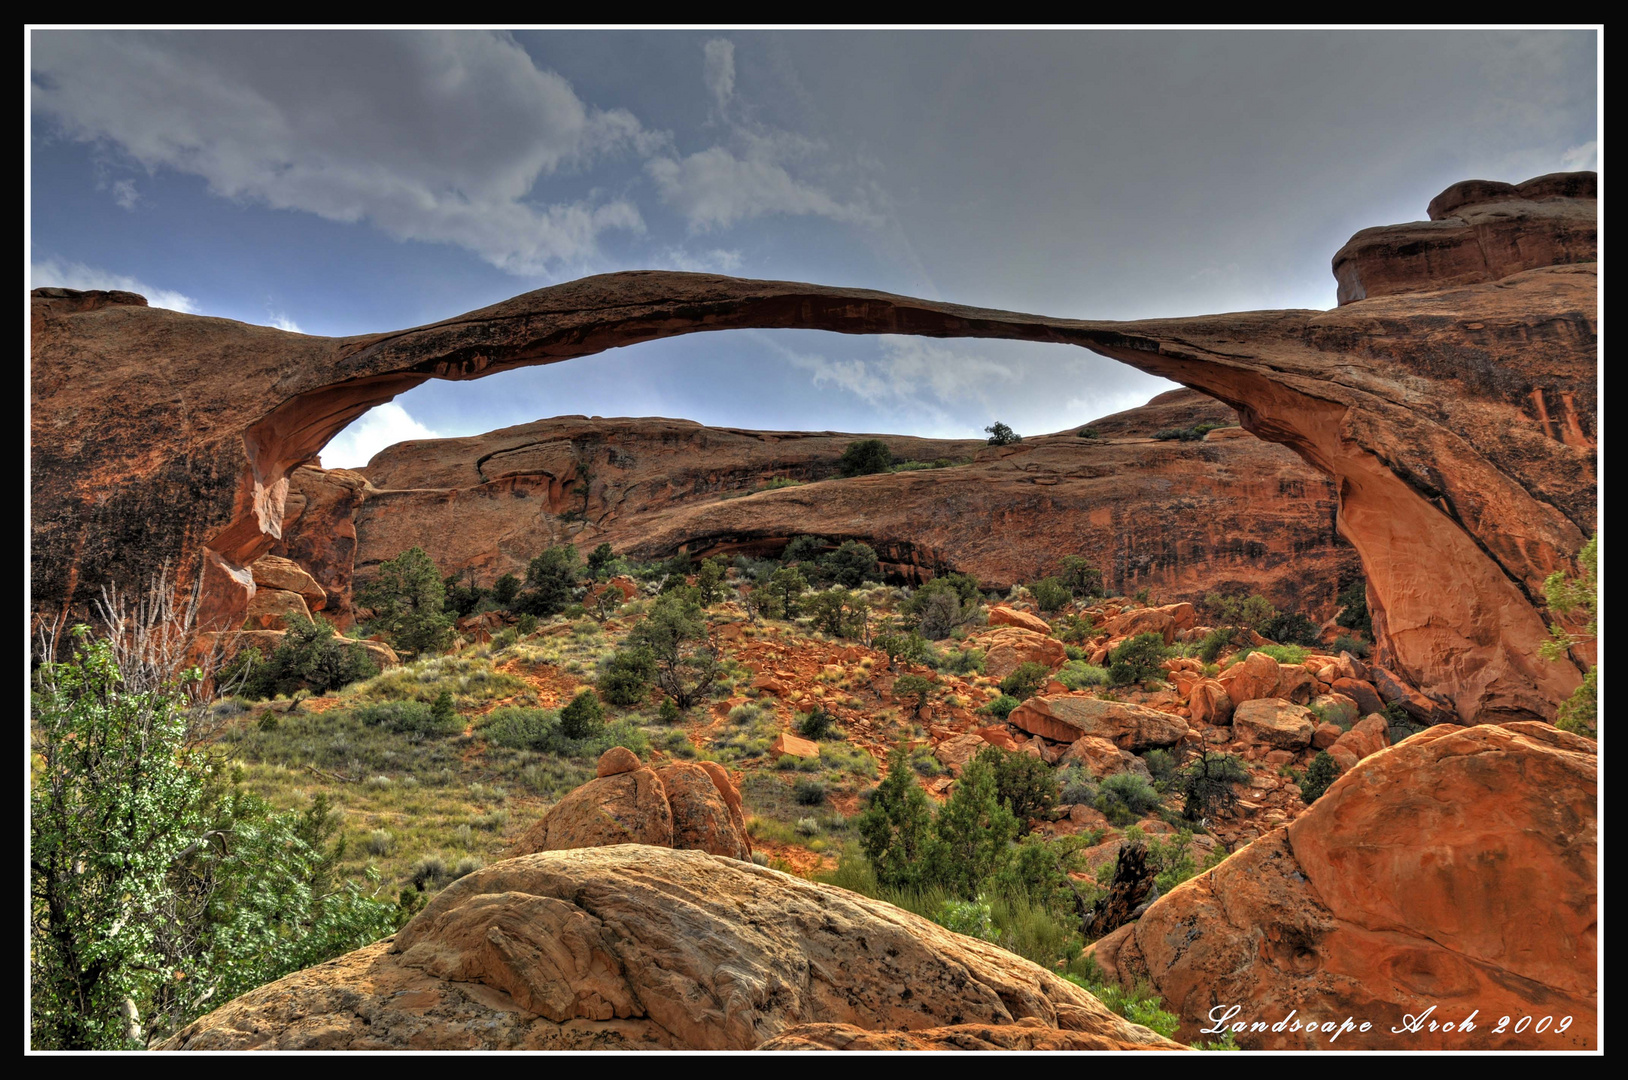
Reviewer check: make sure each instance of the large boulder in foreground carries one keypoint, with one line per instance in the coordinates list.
(1006, 648)
(633, 947)
(1456, 869)
(1067, 718)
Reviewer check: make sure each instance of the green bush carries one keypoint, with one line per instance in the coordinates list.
(583, 718)
(1206, 784)
(1001, 435)
(408, 599)
(505, 589)
(1354, 616)
(1050, 594)
(1214, 643)
(817, 724)
(896, 828)
(865, 457)
(1355, 646)
(1319, 775)
(913, 686)
(410, 718)
(1026, 680)
(687, 655)
(1001, 707)
(551, 580)
(1024, 784)
(1126, 797)
(808, 792)
(853, 564)
(1087, 433)
(310, 657)
(1078, 675)
(626, 677)
(1138, 659)
(1290, 628)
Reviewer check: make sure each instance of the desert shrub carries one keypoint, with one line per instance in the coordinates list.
(408, 599)
(865, 457)
(895, 829)
(1026, 680)
(1081, 578)
(1138, 659)
(913, 686)
(1140, 1005)
(583, 718)
(1214, 643)
(1355, 646)
(505, 589)
(1001, 707)
(1187, 434)
(1319, 775)
(1254, 611)
(410, 718)
(1024, 784)
(625, 678)
(1087, 433)
(310, 657)
(551, 580)
(1290, 628)
(1050, 593)
(1354, 616)
(817, 724)
(1077, 675)
(1283, 654)
(1001, 435)
(1161, 766)
(808, 792)
(971, 832)
(962, 661)
(687, 655)
(1206, 784)
(1075, 786)
(1126, 797)
(853, 564)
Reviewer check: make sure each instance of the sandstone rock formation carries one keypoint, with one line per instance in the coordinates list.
(634, 947)
(684, 805)
(1067, 717)
(1456, 869)
(1457, 421)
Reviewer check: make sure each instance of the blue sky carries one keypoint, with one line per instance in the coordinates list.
(342, 182)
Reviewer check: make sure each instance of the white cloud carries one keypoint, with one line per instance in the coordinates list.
(283, 322)
(432, 136)
(1581, 158)
(72, 275)
(125, 194)
(715, 261)
(718, 70)
(714, 188)
(382, 426)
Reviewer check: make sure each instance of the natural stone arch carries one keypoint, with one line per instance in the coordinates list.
(1457, 424)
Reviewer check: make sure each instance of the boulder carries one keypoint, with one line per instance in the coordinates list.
(1102, 758)
(1273, 722)
(702, 819)
(617, 760)
(1295, 684)
(1325, 736)
(1394, 691)
(1210, 703)
(1360, 692)
(794, 745)
(1344, 912)
(1347, 666)
(1336, 709)
(270, 609)
(1000, 615)
(1065, 718)
(954, 753)
(1368, 736)
(286, 575)
(1144, 621)
(624, 948)
(998, 735)
(626, 808)
(1007, 647)
(1256, 677)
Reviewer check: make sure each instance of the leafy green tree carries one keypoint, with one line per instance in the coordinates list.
(551, 581)
(853, 564)
(807, 550)
(505, 589)
(1290, 628)
(709, 580)
(1319, 775)
(839, 612)
(787, 585)
(1026, 680)
(865, 457)
(309, 657)
(1026, 785)
(971, 833)
(626, 677)
(1082, 579)
(895, 831)
(1580, 713)
(1050, 593)
(1255, 612)
(1001, 435)
(408, 601)
(463, 596)
(687, 655)
(1138, 659)
(583, 718)
(599, 562)
(155, 889)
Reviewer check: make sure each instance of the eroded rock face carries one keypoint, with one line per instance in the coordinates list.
(1457, 422)
(1066, 718)
(635, 947)
(1485, 902)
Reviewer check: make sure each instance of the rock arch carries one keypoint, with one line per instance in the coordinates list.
(1453, 405)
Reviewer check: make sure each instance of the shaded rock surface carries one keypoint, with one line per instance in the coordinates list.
(634, 947)
(1455, 869)
(1067, 717)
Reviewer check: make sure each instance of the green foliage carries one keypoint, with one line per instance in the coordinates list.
(865, 457)
(1290, 628)
(1255, 611)
(1353, 601)
(1355, 646)
(804, 550)
(1001, 707)
(1579, 714)
(583, 718)
(911, 647)
(853, 564)
(1074, 629)
(787, 585)
(1126, 797)
(936, 463)
(1138, 659)
(808, 792)
(896, 828)
(1026, 680)
(310, 657)
(669, 712)
(542, 730)
(919, 687)
(462, 597)
(408, 601)
(1319, 775)
(818, 724)
(412, 717)
(505, 589)
(962, 661)
(1078, 675)
(1001, 435)
(599, 562)
(1082, 579)
(1161, 766)
(973, 918)
(1169, 858)
(1188, 434)
(1283, 654)
(442, 713)
(1214, 643)
(1140, 1005)
(1050, 593)
(153, 882)
(971, 832)
(709, 580)
(1087, 433)
(1024, 784)
(1206, 784)
(687, 655)
(551, 581)
(839, 612)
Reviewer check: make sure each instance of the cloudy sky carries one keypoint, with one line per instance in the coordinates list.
(343, 182)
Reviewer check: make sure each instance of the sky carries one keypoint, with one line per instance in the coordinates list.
(346, 182)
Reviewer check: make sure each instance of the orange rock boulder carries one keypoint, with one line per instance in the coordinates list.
(1000, 615)
(1456, 870)
(1066, 718)
(1008, 647)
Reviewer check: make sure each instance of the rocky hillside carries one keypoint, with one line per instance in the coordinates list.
(1227, 512)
